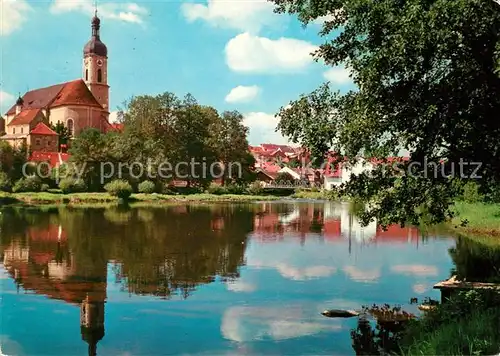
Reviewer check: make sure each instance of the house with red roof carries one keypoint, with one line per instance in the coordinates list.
(78, 104)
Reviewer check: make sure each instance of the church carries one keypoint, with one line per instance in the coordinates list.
(77, 104)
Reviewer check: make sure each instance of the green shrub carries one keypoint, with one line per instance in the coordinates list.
(471, 193)
(235, 189)
(71, 185)
(216, 189)
(284, 178)
(29, 184)
(119, 188)
(44, 188)
(315, 189)
(147, 187)
(5, 183)
(255, 188)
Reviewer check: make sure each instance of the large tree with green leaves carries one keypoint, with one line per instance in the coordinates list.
(427, 73)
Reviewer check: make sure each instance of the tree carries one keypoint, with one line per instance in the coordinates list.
(63, 133)
(229, 137)
(89, 150)
(12, 160)
(427, 73)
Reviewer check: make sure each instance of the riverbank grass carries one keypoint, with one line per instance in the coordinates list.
(87, 198)
(477, 219)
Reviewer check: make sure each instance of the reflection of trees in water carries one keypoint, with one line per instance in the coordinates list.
(475, 261)
(160, 251)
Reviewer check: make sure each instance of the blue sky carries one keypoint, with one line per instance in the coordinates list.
(232, 55)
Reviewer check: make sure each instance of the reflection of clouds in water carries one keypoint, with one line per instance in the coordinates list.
(243, 324)
(420, 288)
(416, 270)
(301, 274)
(240, 286)
(9, 347)
(341, 304)
(358, 275)
(297, 273)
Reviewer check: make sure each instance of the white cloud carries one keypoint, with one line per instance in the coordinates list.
(242, 94)
(262, 128)
(242, 15)
(243, 324)
(307, 273)
(416, 270)
(420, 288)
(239, 286)
(254, 54)
(339, 75)
(113, 117)
(322, 19)
(127, 12)
(359, 275)
(13, 15)
(6, 101)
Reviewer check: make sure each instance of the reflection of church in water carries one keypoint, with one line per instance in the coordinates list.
(46, 267)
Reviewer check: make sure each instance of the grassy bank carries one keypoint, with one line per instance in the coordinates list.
(466, 325)
(103, 198)
(477, 219)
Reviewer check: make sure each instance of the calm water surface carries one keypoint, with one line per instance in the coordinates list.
(210, 279)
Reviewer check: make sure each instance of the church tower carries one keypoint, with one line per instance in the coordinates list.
(95, 65)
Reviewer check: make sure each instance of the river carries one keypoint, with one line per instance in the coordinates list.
(216, 279)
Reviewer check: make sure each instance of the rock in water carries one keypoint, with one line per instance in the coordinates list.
(338, 313)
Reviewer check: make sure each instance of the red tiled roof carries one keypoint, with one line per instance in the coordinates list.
(25, 117)
(42, 129)
(39, 98)
(69, 93)
(273, 147)
(117, 127)
(51, 157)
(75, 93)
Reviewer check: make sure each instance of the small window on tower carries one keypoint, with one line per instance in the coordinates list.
(14, 130)
(99, 75)
(21, 130)
(86, 74)
(38, 142)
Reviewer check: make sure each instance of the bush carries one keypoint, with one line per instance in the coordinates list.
(29, 184)
(255, 188)
(216, 189)
(44, 188)
(71, 185)
(284, 178)
(235, 189)
(471, 193)
(119, 188)
(5, 183)
(147, 187)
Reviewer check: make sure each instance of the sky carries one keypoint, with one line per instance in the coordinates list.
(231, 54)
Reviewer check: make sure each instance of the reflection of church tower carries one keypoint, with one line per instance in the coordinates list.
(92, 322)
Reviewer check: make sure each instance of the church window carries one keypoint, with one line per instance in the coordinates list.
(70, 125)
(37, 142)
(21, 130)
(14, 130)
(86, 74)
(99, 75)
(49, 143)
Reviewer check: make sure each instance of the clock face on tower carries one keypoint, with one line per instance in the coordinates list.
(99, 62)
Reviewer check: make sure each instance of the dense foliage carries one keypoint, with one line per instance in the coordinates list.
(165, 129)
(428, 81)
(119, 188)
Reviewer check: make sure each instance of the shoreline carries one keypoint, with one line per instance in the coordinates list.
(82, 199)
